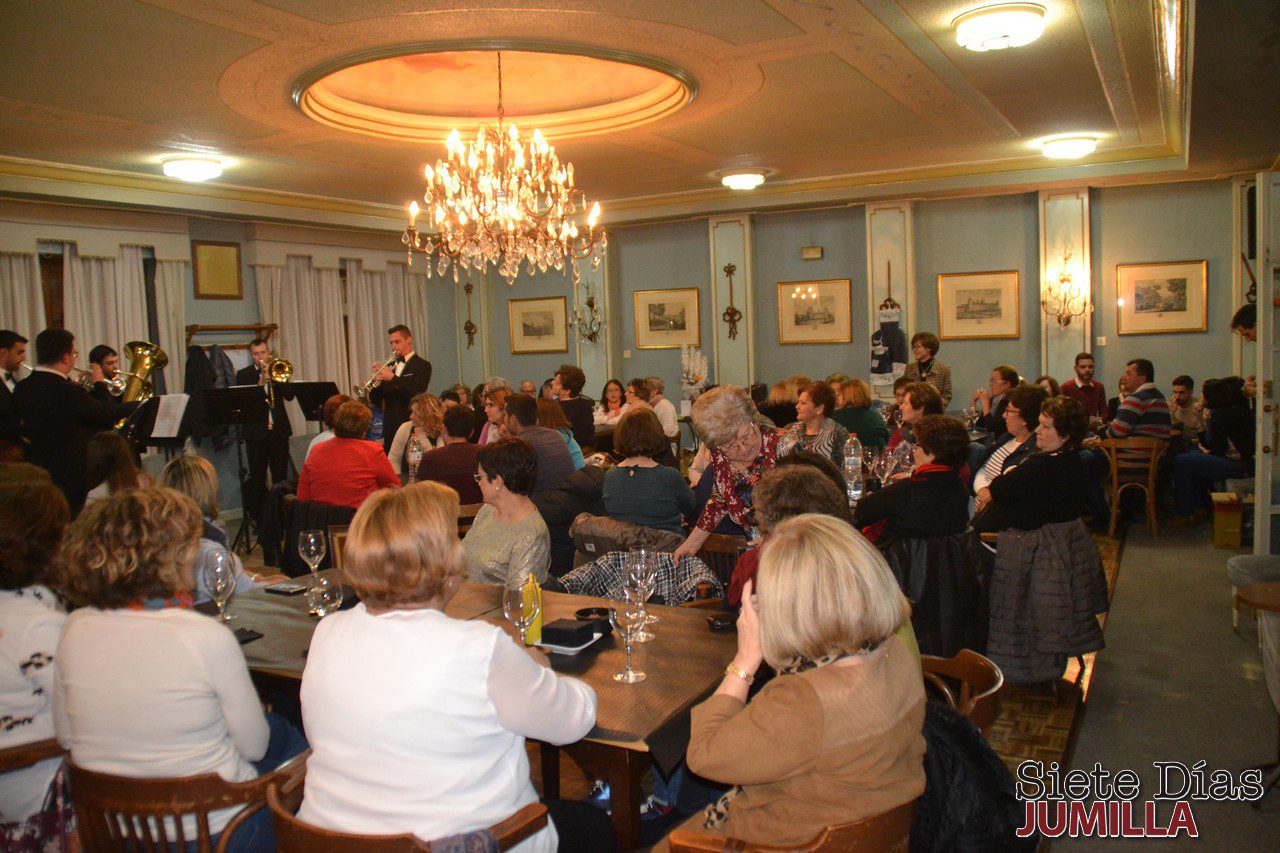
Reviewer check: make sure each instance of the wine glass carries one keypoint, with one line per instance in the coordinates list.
(628, 620)
(520, 611)
(311, 548)
(644, 571)
(324, 594)
(219, 580)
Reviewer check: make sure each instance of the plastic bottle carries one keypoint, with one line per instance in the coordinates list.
(532, 596)
(853, 469)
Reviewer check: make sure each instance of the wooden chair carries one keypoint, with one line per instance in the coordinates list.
(467, 517)
(889, 832)
(1135, 464)
(981, 684)
(284, 797)
(720, 553)
(337, 542)
(18, 757)
(118, 812)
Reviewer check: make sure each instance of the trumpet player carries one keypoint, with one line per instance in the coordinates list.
(58, 416)
(13, 352)
(266, 445)
(398, 383)
(104, 366)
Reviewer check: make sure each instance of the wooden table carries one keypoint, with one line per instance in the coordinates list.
(1261, 596)
(635, 723)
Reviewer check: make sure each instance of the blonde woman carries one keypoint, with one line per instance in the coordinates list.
(836, 737)
(781, 405)
(418, 720)
(417, 435)
(856, 415)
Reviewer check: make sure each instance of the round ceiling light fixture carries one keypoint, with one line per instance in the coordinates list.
(192, 169)
(1069, 147)
(1000, 26)
(742, 180)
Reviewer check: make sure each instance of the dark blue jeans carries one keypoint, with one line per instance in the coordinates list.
(1096, 468)
(1195, 473)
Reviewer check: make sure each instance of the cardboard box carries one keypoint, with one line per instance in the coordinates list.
(1228, 517)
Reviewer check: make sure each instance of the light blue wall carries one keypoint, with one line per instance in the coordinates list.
(777, 241)
(659, 257)
(980, 235)
(535, 366)
(1149, 224)
(442, 333)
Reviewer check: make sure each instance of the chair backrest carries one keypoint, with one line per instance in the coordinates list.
(1134, 461)
(467, 517)
(18, 757)
(337, 543)
(981, 684)
(284, 797)
(888, 832)
(118, 812)
(720, 553)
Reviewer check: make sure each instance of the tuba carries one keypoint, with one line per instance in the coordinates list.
(145, 359)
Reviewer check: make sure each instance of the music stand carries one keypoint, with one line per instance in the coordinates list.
(237, 407)
(311, 397)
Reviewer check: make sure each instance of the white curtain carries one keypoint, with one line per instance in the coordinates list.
(171, 319)
(375, 303)
(306, 304)
(104, 299)
(415, 297)
(21, 297)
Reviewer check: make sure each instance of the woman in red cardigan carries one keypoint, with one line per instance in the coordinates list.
(346, 469)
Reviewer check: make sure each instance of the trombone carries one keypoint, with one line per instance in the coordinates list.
(362, 391)
(278, 369)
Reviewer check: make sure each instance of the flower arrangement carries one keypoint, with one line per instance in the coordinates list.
(693, 372)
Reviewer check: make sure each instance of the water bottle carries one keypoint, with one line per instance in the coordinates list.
(853, 469)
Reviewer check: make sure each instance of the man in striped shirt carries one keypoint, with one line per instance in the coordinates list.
(1144, 411)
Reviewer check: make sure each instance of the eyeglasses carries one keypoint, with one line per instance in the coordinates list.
(744, 439)
(478, 477)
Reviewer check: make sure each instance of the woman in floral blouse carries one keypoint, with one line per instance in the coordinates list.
(742, 449)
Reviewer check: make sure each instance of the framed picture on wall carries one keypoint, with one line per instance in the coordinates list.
(216, 270)
(667, 319)
(538, 325)
(1156, 299)
(814, 312)
(978, 305)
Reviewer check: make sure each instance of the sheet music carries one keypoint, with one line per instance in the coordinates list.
(169, 415)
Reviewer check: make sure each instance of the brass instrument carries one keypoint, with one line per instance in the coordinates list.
(362, 391)
(145, 359)
(278, 369)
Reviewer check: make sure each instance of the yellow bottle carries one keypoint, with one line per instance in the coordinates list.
(532, 597)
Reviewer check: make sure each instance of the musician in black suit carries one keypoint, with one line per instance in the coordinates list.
(266, 445)
(58, 415)
(13, 351)
(400, 383)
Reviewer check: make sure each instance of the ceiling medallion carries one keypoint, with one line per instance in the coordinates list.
(1000, 26)
(499, 200)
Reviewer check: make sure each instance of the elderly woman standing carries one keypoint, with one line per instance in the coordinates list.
(437, 709)
(508, 540)
(417, 435)
(825, 617)
(741, 450)
(814, 429)
(927, 368)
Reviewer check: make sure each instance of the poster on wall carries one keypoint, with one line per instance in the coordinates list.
(814, 312)
(538, 325)
(667, 319)
(1161, 298)
(978, 305)
(216, 270)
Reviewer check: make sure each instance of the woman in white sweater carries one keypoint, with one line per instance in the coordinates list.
(418, 721)
(146, 686)
(422, 432)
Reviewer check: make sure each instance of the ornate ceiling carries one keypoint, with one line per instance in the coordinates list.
(836, 99)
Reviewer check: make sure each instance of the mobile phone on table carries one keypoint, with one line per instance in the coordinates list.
(286, 588)
(723, 622)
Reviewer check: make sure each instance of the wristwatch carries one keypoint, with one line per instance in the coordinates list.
(740, 673)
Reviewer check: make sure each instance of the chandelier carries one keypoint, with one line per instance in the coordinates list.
(500, 200)
(1062, 300)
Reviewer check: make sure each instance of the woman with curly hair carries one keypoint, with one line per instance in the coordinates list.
(417, 435)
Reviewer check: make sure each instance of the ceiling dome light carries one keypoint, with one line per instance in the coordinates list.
(743, 180)
(193, 169)
(1069, 147)
(1000, 26)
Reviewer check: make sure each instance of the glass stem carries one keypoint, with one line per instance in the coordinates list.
(628, 645)
(524, 629)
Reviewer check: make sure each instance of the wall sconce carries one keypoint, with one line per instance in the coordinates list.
(1063, 299)
(586, 319)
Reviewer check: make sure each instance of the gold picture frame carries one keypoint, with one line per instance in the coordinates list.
(1162, 298)
(815, 312)
(667, 319)
(215, 270)
(538, 324)
(979, 306)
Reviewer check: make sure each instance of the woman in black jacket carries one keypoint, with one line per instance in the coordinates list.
(1049, 486)
(932, 501)
(1229, 423)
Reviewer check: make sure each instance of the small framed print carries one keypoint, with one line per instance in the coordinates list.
(538, 325)
(814, 312)
(978, 305)
(667, 319)
(1153, 299)
(215, 270)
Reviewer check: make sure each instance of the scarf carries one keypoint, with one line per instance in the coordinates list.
(178, 599)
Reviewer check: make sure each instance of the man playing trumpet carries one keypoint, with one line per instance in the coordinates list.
(398, 383)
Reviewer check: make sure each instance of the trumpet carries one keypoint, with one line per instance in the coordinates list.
(84, 378)
(362, 391)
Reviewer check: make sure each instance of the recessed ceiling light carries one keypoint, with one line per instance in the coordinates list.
(1000, 26)
(742, 180)
(192, 169)
(1071, 147)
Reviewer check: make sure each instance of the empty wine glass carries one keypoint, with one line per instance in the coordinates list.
(219, 576)
(324, 594)
(628, 620)
(520, 610)
(642, 573)
(311, 548)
